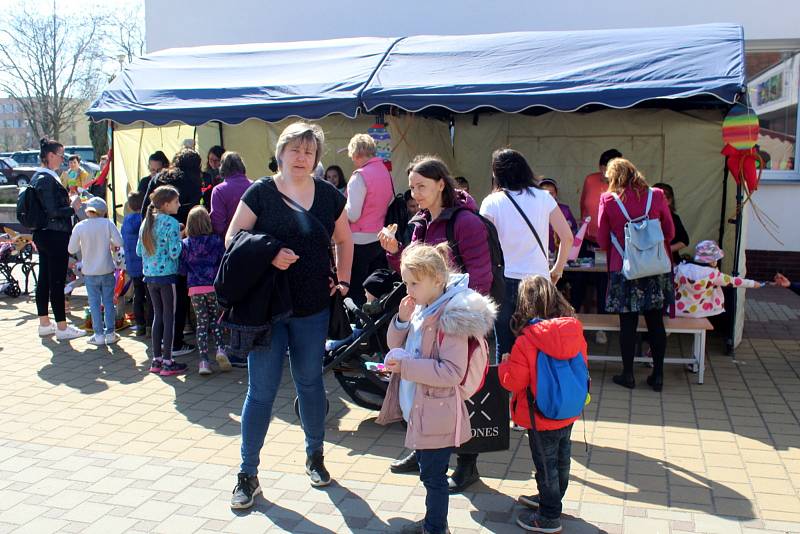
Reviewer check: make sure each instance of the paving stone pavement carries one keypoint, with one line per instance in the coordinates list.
(92, 443)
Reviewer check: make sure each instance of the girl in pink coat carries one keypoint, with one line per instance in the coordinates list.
(430, 379)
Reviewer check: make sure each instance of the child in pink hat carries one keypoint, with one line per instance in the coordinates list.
(698, 286)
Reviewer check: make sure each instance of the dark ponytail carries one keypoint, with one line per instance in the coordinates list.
(48, 146)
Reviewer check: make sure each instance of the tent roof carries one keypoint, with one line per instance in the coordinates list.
(233, 83)
(563, 71)
(511, 72)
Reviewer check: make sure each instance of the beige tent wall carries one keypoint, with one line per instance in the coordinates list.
(255, 140)
(680, 148)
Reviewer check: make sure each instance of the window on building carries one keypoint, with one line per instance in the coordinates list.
(773, 80)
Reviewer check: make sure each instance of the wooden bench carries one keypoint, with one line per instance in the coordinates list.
(679, 325)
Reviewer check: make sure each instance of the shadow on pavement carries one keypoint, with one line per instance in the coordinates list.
(649, 479)
(88, 371)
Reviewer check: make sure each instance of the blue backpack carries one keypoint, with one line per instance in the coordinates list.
(562, 386)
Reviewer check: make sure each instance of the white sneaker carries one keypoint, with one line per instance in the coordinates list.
(601, 338)
(48, 330)
(97, 339)
(112, 338)
(70, 332)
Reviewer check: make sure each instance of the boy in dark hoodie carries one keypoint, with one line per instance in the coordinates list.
(543, 321)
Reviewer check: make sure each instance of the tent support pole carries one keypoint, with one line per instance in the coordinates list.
(729, 344)
(722, 221)
(221, 139)
(112, 183)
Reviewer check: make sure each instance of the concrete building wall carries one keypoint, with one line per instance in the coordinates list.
(251, 21)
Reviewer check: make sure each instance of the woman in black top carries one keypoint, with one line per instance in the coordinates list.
(51, 241)
(304, 214)
(681, 239)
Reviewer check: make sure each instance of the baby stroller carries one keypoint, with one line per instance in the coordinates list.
(357, 364)
(15, 249)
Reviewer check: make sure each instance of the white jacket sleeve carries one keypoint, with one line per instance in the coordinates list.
(356, 193)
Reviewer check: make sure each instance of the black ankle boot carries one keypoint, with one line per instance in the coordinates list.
(409, 464)
(625, 380)
(464, 475)
(656, 382)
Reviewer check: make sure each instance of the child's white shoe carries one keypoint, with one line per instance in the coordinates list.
(97, 339)
(112, 338)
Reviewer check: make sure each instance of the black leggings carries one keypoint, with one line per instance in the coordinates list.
(656, 334)
(53, 261)
(181, 310)
(366, 260)
(162, 298)
(142, 310)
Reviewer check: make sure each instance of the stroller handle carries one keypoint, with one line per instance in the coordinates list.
(358, 312)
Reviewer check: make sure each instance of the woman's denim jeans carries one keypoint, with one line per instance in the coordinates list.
(305, 339)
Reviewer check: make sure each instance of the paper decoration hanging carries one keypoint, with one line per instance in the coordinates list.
(740, 127)
(383, 143)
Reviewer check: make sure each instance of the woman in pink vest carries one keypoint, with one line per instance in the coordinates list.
(369, 193)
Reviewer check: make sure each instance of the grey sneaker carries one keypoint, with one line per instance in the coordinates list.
(247, 487)
(534, 522)
(531, 501)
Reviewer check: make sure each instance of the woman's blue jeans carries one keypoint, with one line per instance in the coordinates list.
(305, 339)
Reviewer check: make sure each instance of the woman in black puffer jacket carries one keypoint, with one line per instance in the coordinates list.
(51, 241)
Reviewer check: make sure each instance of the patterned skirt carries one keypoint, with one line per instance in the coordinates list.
(643, 294)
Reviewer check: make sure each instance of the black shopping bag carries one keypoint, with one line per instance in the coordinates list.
(488, 416)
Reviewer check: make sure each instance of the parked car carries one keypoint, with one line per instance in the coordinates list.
(85, 152)
(26, 157)
(16, 173)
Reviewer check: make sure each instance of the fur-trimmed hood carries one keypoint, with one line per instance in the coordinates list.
(468, 313)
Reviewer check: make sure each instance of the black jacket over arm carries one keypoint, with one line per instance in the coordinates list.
(251, 290)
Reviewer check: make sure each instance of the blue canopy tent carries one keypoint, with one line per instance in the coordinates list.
(506, 78)
(509, 72)
(560, 71)
(231, 84)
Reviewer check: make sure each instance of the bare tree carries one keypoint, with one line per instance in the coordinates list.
(51, 67)
(125, 33)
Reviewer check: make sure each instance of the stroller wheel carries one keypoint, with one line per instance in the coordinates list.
(297, 407)
(13, 290)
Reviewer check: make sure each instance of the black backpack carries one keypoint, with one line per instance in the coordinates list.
(397, 213)
(30, 212)
(498, 289)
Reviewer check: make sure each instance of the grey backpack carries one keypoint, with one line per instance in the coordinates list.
(644, 253)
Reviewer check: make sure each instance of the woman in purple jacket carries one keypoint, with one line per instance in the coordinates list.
(435, 191)
(226, 196)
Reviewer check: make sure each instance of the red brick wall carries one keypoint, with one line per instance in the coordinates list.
(763, 264)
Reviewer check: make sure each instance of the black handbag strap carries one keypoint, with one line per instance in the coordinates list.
(527, 221)
(299, 207)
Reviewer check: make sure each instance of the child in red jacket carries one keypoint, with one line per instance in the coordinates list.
(543, 321)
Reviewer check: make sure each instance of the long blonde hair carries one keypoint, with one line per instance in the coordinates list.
(427, 261)
(538, 298)
(198, 222)
(623, 174)
(159, 197)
